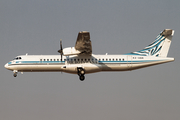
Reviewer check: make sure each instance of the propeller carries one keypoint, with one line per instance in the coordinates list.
(61, 49)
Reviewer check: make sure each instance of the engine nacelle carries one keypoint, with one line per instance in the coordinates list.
(70, 51)
(89, 68)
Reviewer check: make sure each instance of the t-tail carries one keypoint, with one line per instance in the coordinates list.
(160, 47)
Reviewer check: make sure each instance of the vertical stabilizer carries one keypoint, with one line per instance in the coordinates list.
(159, 47)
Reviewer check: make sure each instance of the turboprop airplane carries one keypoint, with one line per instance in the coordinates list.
(80, 60)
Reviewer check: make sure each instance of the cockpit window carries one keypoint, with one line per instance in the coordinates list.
(17, 58)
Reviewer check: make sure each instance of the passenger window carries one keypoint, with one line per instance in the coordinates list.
(54, 59)
(47, 59)
(44, 59)
(109, 59)
(51, 59)
(119, 59)
(106, 59)
(103, 59)
(116, 59)
(40, 59)
(113, 59)
(123, 59)
(57, 59)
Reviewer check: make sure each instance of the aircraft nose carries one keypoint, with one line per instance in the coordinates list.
(6, 66)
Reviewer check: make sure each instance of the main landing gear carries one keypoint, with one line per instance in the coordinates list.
(81, 72)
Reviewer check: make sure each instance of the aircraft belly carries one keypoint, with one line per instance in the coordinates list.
(115, 67)
(89, 68)
(92, 68)
(147, 64)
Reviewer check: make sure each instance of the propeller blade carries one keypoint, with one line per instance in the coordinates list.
(61, 49)
(61, 44)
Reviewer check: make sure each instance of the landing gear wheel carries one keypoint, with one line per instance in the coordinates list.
(15, 74)
(82, 77)
(82, 72)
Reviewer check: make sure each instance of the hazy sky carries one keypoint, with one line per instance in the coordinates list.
(116, 27)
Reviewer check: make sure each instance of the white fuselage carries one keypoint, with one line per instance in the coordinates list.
(80, 60)
(90, 63)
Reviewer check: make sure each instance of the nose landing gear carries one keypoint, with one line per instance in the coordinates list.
(81, 72)
(15, 73)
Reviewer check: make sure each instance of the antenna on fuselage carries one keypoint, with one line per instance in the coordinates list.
(61, 49)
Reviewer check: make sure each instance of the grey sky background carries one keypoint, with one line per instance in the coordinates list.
(116, 27)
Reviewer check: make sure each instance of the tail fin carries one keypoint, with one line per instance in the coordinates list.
(159, 47)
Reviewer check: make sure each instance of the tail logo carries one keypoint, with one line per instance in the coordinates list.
(151, 49)
(159, 47)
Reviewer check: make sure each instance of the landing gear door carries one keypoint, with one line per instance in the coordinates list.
(129, 62)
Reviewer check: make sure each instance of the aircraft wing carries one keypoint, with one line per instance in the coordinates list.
(83, 43)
